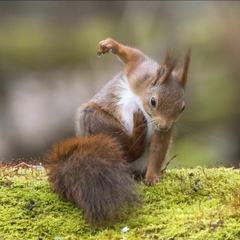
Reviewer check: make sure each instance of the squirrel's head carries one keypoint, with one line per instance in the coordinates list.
(164, 101)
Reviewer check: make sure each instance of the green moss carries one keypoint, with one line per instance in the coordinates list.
(197, 203)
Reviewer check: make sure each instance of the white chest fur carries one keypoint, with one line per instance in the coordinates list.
(129, 103)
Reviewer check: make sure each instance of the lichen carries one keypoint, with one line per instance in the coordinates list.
(198, 203)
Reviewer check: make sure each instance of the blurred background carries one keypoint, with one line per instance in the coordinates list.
(49, 66)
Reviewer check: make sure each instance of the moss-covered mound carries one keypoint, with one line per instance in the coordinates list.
(195, 203)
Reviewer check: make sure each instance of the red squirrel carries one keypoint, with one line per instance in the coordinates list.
(125, 129)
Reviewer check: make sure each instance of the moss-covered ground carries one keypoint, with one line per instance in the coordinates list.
(197, 203)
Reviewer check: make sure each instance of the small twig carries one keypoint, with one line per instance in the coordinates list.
(163, 170)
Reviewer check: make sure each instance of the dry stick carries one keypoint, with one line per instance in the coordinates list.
(162, 171)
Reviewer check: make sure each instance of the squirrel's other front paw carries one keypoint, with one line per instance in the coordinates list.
(106, 45)
(150, 181)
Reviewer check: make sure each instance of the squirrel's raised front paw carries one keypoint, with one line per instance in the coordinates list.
(150, 181)
(106, 45)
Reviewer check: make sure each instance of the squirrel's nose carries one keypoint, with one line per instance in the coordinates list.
(163, 128)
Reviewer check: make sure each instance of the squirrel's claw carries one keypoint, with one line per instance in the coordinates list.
(106, 45)
(151, 181)
(102, 50)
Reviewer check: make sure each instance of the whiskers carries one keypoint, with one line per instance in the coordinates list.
(151, 123)
(184, 129)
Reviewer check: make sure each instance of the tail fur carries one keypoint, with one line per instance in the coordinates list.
(91, 172)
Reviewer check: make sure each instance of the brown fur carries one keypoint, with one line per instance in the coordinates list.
(94, 119)
(131, 57)
(157, 155)
(167, 88)
(93, 169)
(92, 173)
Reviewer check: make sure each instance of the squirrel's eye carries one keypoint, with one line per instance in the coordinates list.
(153, 102)
(183, 108)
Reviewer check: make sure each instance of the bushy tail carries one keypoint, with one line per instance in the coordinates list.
(91, 173)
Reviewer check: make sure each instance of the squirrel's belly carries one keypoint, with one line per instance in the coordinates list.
(140, 165)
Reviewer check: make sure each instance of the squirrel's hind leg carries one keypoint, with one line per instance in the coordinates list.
(136, 142)
(93, 120)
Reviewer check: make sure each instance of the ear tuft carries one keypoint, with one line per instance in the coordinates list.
(166, 67)
(183, 72)
(171, 58)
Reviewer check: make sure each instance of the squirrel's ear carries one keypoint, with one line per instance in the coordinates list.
(183, 72)
(166, 67)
